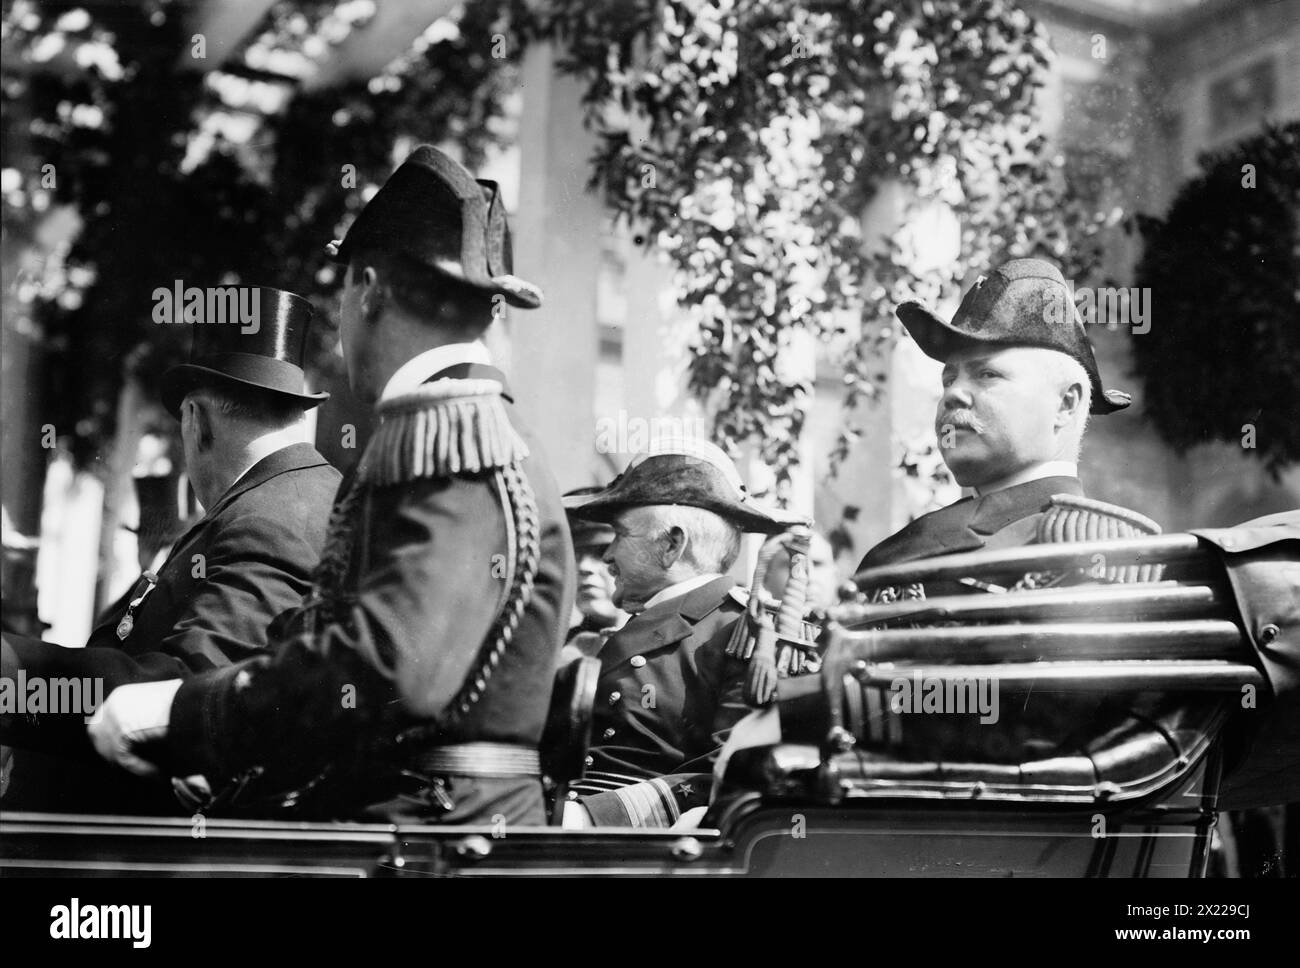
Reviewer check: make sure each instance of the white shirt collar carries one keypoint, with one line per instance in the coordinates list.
(418, 369)
(1035, 472)
(679, 589)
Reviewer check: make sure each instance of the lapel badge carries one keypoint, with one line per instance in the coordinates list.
(143, 586)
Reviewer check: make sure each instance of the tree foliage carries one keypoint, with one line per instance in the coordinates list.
(745, 140)
(173, 181)
(1222, 359)
(742, 139)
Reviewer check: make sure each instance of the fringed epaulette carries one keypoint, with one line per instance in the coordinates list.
(442, 429)
(774, 646)
(1070, 518)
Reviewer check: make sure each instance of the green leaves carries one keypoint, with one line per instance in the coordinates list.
(1222, 358)
(770, 127)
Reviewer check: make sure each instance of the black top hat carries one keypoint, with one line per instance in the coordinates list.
(692, 473)
(267, 356)
(1025, 302)
(434, 211)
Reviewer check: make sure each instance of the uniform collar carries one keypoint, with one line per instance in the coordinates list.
(966, 524)
(994, 511)
(668, 621)
(1035, 472)
(679, 589)
(418, 369)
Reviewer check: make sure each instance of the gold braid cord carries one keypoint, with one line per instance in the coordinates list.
(444, 429)
(522, 520)
(772, 636)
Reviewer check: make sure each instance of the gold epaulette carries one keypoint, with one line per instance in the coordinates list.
(442, 429)
(1071, 518)
(755, 641)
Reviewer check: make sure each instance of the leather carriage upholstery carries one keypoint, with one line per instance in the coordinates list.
(1110, 693)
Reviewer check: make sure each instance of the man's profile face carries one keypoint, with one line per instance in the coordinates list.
(635, 559)
(595, 595)
(996, 415)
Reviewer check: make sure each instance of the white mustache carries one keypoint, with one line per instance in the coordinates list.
(961, 420)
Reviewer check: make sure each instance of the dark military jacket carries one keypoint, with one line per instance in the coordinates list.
(667, 698)
(411, 584)
(249, 558)
(1002, 519)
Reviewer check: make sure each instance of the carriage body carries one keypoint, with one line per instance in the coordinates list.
(841, 789)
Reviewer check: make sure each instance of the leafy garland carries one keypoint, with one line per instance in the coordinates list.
(162, 197)
(1221, 361)
(745, 140)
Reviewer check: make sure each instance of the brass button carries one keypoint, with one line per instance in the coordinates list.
(638, 661)
(587, 761)
(1268, 633)
(614, 697)
(608, 734)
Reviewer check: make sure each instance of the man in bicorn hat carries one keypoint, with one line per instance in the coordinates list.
(668, 692)
(414, 684)
(1019, 381)
(241, 401)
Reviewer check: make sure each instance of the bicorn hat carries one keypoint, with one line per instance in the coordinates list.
(687, 472)
(265, 356)
(1024, 302)
(434, 211)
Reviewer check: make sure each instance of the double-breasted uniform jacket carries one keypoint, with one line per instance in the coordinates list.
(398, 651)
(1001, 519)
(248, 559)
(668, 696)
(1012, 517)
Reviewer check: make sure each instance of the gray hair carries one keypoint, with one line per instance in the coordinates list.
(1064, 370)
(712, 542)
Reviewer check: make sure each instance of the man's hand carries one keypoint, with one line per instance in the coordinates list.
(193, 792)
(131, 715)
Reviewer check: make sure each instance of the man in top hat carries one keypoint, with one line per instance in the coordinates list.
(1019, 381)
(414, 683)
(668, 692)
(241, 402)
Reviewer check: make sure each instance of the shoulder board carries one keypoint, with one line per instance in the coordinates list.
(441, 429)
(1069, 517)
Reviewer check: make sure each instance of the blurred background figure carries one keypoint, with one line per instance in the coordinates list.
(593, 609)
(822, 578)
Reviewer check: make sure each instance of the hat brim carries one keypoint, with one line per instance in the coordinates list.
(939, 340)
(517, 292)
(605, 508)
(180, 380)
